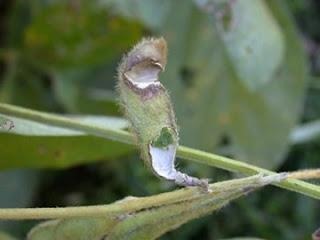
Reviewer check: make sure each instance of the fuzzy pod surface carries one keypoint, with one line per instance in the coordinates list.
(146, 104)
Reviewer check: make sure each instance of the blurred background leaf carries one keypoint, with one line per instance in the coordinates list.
(31, 128)
(5, 236)
(248, 50)
(48, 146)
(18, 188)
(77, 33)
(58, 152)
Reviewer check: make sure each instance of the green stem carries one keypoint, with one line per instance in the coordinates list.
(231, 165)
(55, 120)
(202, 157)
(137, 204)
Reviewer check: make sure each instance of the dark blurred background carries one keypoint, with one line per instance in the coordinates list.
(244, 77)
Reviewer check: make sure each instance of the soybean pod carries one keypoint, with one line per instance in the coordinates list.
(146, 104)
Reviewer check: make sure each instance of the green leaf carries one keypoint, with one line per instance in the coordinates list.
(211, 100)
(22, 85)
(31, 128)
(151, 12)
(43, 231)
(150, 217)
(73, 229)
(5, 124)
(191, 75)
(47, 146)
(262, 121)
(5, 236)
(56, 152)
(78, 92)
(63, 35)
(254, 48)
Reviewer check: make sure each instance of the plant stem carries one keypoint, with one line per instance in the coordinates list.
(231, 165)
(130, 205)
(305, 174)
(202, 157)
(64, 122)
(53, 213)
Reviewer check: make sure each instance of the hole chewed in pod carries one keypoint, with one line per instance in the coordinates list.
(162, 161)
(143, 75)
(316, 235)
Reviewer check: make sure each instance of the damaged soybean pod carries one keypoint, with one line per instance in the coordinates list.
(147, 105)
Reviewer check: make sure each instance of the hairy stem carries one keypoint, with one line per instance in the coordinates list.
(130, 205)
(202, 157)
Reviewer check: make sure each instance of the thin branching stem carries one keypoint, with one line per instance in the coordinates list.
(202, 157)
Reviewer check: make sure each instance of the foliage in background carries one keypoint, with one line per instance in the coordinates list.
(61, 56)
